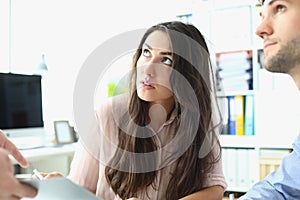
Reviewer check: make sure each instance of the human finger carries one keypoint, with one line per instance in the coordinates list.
(53, 175)
(14, 198)
(23, 190)
(6, 144)
(14, 151)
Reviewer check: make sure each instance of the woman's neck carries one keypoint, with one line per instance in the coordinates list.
(160, 112)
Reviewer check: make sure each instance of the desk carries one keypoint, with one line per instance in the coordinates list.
(48, 158)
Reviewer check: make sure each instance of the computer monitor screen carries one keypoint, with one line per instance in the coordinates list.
(20, 102)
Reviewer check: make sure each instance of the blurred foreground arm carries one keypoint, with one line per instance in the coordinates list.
(10, 187)
(6, 144)
(210, 193)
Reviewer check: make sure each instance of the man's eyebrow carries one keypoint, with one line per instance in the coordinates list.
(273, 1)
(269, 4)
(162, 53)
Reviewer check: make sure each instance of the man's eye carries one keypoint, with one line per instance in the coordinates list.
(146, 52)
(280, 8)
(167, 61)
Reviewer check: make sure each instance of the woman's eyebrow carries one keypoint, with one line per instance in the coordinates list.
(162, 53)
(148, 46)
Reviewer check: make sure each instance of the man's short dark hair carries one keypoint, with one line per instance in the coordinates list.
(260, 3)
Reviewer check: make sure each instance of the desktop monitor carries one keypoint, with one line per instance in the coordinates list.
(21, 112)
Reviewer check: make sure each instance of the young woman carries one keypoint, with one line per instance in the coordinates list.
(159, 140)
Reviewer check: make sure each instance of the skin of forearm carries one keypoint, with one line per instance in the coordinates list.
(210, 193)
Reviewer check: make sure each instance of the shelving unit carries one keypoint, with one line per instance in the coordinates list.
(232, 29)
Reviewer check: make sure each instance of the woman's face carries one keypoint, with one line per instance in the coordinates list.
(154, 67)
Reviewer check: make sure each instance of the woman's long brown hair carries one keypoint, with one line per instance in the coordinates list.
(193, 63)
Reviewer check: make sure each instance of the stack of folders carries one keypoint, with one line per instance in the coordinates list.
(240, 168)
(238, 115)
(234, 71)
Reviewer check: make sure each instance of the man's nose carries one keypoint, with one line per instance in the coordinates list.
(265, 28)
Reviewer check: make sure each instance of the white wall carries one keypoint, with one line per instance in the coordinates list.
(67, 31)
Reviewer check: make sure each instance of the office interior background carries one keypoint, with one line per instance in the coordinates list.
(67, 32)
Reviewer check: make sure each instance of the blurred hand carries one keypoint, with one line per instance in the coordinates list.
(133, 198)
(10, 187)
(6, 144)
(49, 175)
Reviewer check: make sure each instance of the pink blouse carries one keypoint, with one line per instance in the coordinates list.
(87, 168)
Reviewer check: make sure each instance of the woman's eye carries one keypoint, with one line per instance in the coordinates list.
(146, 52)
(167, 61)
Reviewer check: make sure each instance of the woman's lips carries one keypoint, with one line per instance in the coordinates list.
(147, 86)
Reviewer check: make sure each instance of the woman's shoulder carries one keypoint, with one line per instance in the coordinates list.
(113, 105)
(109, 114)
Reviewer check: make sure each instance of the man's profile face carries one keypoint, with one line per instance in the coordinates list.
(280, 30)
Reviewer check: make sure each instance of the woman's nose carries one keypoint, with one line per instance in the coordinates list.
(150, 66)
(149, 69)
